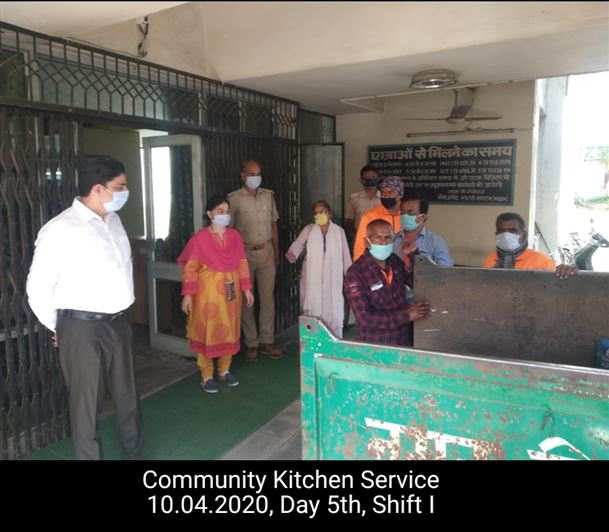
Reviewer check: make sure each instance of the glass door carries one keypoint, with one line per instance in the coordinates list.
(175, 200)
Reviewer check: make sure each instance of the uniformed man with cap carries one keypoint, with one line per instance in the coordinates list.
(254, 215)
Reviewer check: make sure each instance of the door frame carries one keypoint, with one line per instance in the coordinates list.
(161, 270)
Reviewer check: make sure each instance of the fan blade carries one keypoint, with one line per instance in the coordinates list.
(460, 111)
(472, 118)
(443, 118)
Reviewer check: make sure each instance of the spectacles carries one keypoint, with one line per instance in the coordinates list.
(411, 213)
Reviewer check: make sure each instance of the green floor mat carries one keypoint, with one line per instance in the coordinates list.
(182, 422)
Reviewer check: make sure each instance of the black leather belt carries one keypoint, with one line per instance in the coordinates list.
(88, 316)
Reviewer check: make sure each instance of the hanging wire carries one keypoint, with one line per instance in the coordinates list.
(143, 26)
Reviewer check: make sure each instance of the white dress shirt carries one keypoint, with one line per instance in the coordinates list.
(81, 262)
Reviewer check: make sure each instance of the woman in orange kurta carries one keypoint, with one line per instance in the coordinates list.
(214, 273)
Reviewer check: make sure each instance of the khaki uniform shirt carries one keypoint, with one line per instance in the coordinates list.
(359, 203)
(253, 216)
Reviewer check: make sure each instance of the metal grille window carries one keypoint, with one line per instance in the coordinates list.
(223, 113)
(12, 75)
(259, 120)
(182, 105)
(316, 128)
(48, 70)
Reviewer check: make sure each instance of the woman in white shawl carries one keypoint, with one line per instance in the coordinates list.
(326, 261)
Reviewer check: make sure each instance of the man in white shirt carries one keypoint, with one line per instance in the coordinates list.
(80, 286)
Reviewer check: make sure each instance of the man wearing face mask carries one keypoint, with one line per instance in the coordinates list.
(364, 200)
(79, 286)
(391, 189)
(415, 238)
(375, 286)
(255, 217)
(513, 251)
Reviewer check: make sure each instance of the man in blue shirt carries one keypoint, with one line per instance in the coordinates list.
(415, 238)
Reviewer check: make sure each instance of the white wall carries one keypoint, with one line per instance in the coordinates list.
(468, 229)
(547, 195)
(169, 40)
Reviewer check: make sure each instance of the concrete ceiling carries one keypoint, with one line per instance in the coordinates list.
(343, 57)
(338, 89)
(343, 54)
(69, 18)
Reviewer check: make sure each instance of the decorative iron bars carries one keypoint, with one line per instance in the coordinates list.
(279, 164)
(38, 157)
(316, 128)
(48, 70)
(37, 168)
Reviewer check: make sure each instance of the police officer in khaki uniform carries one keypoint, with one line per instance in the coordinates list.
(364, 200)
(254, 215)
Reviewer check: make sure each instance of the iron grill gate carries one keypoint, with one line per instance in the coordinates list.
(223, 156)
(279, 162)
(37, 181)
(45, 72)
(38, 150)
(316, 128)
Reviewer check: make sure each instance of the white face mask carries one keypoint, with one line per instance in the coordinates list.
(253, 181)
(221, 220)
(507, 241)
(118, 201)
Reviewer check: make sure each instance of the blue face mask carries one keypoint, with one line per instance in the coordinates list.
(119, 198)
(253, 181)
(381, 251)
(408, 222)
(221, 220)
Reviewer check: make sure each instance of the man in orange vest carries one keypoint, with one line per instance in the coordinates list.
(513, 251)
(392, 189)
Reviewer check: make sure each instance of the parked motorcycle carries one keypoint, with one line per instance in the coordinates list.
(580, 254)
(583, 256)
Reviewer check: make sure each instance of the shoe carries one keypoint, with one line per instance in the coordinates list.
(209, 386)
(251, 354)
(272, 351)
(229, 379)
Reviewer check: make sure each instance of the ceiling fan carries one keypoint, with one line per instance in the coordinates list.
(464, 99)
